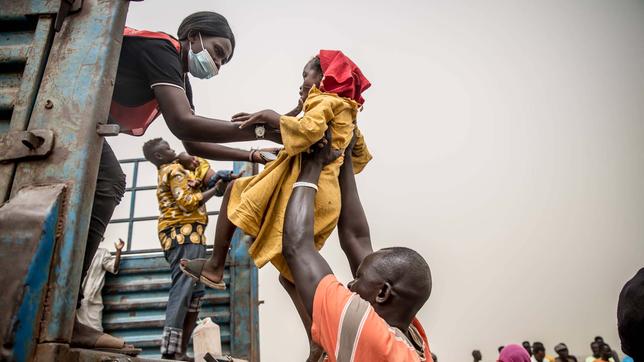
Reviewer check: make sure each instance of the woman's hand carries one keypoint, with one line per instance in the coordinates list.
(268, 117)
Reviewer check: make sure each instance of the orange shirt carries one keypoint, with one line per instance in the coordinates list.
(348, 329)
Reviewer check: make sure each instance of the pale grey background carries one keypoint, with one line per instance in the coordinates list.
(508, 139)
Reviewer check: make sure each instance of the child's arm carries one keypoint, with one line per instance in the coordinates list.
(298, 134)
(360, 155)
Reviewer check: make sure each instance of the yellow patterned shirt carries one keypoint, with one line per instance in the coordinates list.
(180, 204)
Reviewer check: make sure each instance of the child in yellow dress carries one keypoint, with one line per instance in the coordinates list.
(331, 94)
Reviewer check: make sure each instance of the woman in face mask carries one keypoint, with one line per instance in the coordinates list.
(152, 80)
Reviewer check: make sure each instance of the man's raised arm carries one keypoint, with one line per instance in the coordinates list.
(353, 228)
(307, 266)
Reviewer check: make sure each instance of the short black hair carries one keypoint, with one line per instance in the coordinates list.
(630, 316)
(149, 147)
(207, 23)
(501, 348)
(406, 264)
(538, 347)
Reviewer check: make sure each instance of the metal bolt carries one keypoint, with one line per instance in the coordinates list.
(49, 104)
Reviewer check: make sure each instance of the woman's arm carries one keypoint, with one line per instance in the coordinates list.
(187, 126)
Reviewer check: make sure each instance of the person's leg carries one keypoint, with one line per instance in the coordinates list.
(110, 187)
(315, 351)
(190, 321)
(213, 269)
(179, 299)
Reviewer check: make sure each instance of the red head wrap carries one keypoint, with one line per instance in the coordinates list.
(342, 76)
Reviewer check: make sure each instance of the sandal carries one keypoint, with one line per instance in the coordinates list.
(193, 269)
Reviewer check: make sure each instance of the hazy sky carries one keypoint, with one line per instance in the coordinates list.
(508, 142)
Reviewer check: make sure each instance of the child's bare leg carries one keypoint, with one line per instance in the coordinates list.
(315, 351)
(213, 269)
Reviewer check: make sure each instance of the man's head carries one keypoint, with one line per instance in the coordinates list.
(476, 354)
(527, 347)
(396, 281)
(594, 346)
(539, 351)
(158, 152)
(562, 351)
(605, 352)
(630, 317)
(600, 340)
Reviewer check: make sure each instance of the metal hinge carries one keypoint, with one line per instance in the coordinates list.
(36, 143)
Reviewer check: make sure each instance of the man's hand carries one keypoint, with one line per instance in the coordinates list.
(268, 117)
(322, 152)
(119, 245)
(195, 184)
(188, 162)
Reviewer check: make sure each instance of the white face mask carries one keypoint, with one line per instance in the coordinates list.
(201, 65)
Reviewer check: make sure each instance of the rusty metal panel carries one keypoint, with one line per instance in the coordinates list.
(29, 225)
(13, 8)
(74, 95)
(135, 301)
(244, 291)
(24, 47)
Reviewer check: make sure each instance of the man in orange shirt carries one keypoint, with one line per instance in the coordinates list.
(374, 318)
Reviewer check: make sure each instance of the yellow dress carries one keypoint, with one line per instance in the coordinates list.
(258, 203)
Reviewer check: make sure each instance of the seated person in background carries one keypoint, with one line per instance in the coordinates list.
(538, 353)
(182, 222)
(605, 353)
(630, 317)
(564, 354)
(594, 347)
(600, 341)
(540, 346)
(90, 312)
(514, 353)
(374, 318)
(528, 347)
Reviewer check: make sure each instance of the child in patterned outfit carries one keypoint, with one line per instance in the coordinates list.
(182, 222)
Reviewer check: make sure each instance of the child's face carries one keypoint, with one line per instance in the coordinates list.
(310, 76)
(164, 153)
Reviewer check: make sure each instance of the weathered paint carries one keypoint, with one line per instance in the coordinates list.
(77, 85)
(29, 223)
(135, 301)
(20, 77)
(244, 294)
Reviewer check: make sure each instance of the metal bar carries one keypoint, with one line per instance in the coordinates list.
(130, 226)
(140, 188)
(149, 218)
(78, 83)
(244, 302)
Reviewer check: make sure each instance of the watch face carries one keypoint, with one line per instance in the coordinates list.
(260, 131)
